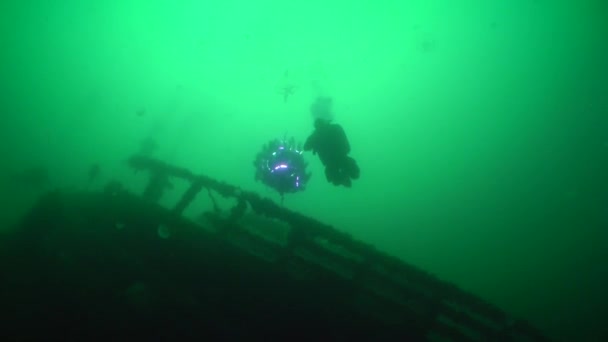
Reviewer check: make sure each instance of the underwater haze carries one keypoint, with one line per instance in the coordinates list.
(480, 127)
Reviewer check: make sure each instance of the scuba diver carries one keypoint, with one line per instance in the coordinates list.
(331, 144)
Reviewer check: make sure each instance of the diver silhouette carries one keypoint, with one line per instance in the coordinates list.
(329, 141)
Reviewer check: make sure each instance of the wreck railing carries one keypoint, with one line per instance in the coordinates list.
(444, 309)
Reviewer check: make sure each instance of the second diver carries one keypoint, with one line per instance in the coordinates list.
(329, 141)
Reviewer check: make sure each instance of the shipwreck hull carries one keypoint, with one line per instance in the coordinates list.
(118, 265)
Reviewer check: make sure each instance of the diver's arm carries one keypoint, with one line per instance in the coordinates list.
(308, 145)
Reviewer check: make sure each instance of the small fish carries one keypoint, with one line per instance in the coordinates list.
(286, 91)
(288, 88)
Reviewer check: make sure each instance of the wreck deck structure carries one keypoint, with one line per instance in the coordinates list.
(117, 265)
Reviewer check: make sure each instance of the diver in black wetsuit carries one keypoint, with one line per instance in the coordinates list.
(330, 142)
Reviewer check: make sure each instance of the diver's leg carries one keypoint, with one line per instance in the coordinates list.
(333, 175)
(330, 174)
(341, 177)
(352, 168)
(346, 180)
